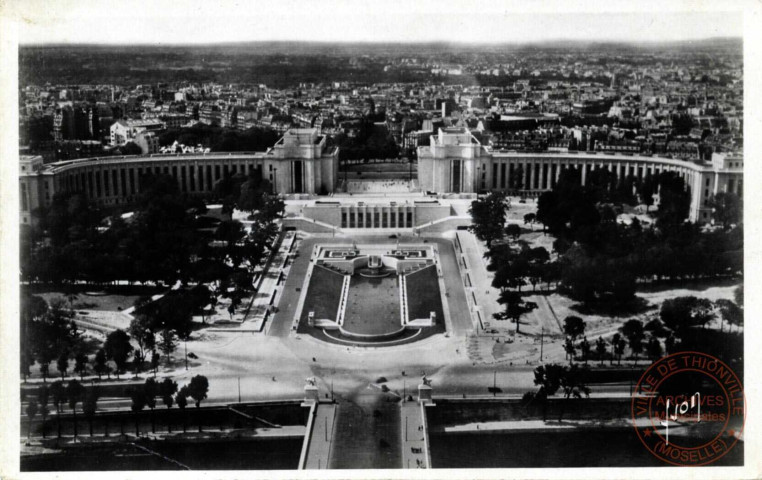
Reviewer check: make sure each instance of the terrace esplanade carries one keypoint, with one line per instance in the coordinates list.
(456, 162)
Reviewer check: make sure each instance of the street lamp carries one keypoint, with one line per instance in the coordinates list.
(542, 339)
(275, 181)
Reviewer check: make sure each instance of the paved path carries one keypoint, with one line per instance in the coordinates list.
(321, 437)
(267, 287)
(460, 318)
(486, 296)
(281, 322)
(413, 436)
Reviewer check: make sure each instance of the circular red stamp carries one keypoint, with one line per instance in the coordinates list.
(688, 409)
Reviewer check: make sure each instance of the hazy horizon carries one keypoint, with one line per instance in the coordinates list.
(477, 22)
(463, 43)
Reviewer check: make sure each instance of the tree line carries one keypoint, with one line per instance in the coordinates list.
(57, 395)
(219, 139)
(599, 260)
(166, 239)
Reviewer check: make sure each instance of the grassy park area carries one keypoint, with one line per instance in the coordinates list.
(323, 294)
(423, 294)
(113, 298)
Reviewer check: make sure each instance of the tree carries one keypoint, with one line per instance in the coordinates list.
(130, 148)
(176, 312)
(549, 212)
(70, 297)
(31, 412)
(42, 399)
(44, 357)
(514, 308)
(529, 218)
(570, 349)
(168, 342)
(729, 312)
(584, 346)
(150, 391)
(90, 406)
(548, 377)
(488, 217)
(62, 364)
(653, 348)
(80, 364)
(118, 349)
(574, 326)
(633, 330)
(137, 396)
(99, 362)
(181, 399)
(155, 357)
(27, 360)
(674, 199)
(58, 392)
(198, 389)
(511, 270)
(553, 377)
(74, 392)
(600, 349)
(167, 390)
(728, 209)
(646, 190)
(738, 296)
(142, 331)
(618, 343)
(573, 384)
(684, 312)
(513, 230)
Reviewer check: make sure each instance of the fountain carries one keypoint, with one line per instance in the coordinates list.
(375, 269)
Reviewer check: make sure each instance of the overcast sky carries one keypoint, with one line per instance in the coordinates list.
(168, 21)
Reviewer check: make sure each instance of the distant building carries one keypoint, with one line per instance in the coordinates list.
(126, 130)
(229, 116)
(209, 114)
(148, 142)
(63, 124)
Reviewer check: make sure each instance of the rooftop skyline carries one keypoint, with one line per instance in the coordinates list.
(163, 22)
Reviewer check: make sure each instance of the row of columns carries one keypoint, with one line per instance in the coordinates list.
(122, 182)
(396, 217)
(543, 174)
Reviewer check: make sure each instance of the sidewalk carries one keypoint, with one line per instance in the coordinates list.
(320, 438)
(413, 436)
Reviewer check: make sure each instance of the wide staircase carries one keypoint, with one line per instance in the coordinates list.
(367, 186)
